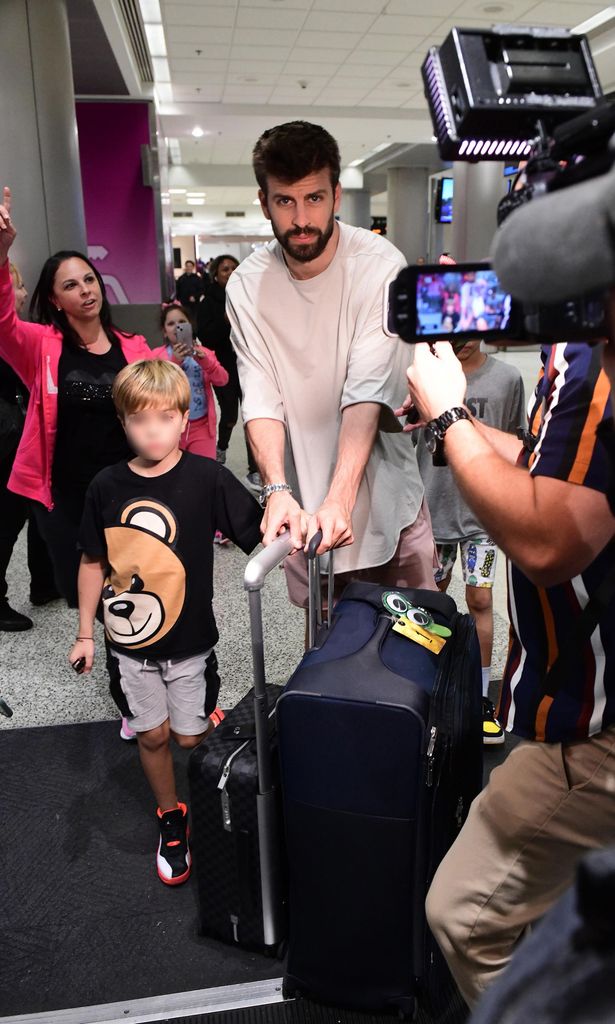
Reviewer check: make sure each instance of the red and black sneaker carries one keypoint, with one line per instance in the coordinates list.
(173, 859)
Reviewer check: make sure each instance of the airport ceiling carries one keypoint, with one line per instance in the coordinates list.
(235, 67)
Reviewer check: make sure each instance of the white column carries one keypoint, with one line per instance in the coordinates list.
(478, 190)
(407, 210)
(38, 132)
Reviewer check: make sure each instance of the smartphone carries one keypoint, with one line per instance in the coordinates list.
(78, 665)
(441, 302)
(457, 303)
(184, 335)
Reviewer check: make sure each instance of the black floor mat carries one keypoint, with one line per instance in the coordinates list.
(84, 918)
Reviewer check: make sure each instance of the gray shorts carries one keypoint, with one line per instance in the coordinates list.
(157, 690)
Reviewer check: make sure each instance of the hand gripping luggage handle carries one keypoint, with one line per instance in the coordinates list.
(256, 572)
(315, 610)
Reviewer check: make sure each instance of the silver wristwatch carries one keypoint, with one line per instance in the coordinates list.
(271, 489)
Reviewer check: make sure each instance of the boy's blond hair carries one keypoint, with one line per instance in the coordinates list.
(150, 384)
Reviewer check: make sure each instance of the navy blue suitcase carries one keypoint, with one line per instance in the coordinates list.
(380, 744)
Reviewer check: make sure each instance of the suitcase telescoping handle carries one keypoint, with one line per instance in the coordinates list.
(267, 813)
(315, 610)
(256, 572)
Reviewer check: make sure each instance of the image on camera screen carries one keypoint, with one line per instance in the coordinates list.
(461, 300)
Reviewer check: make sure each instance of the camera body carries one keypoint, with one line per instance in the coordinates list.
(440, 303)
(507, 94)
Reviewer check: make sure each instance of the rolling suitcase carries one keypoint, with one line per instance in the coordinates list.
(380, 748)
(235, 803)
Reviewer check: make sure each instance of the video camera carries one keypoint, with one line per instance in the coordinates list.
(521, 94)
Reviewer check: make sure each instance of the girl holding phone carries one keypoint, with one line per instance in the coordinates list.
(202, 370)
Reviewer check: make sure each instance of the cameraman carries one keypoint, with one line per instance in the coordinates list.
(544, 503)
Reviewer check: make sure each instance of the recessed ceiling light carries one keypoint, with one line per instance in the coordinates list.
(195, 202)
(197, 132)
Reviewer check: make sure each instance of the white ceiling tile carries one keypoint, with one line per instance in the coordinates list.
(436, 7)
(256, 67)
(374, 57)
(190, 78)
(350, 6)
(404, 25)
(209, 51)
(391, 44)
(566, 15)
(302, 5)
(313, 54)
(329, 21)
(199, 14)
(267, 37)
(340, 41)
(262, 17)
(305, 68)
(197, 66)
(260, 53)
(360, 71)
(197, 35)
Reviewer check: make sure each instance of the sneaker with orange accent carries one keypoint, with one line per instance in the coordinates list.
(173, 859)
(493, 733)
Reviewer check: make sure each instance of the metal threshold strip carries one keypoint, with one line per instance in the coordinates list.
(174, 1005)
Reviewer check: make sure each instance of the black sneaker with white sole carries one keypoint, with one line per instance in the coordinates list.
(493, 733)
(173, 859)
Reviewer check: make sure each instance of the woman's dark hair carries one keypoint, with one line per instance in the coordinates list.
(213, 266)
(293, 150)
(169, 306)
(43, 309)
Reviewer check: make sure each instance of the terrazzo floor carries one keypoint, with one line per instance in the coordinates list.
(39, 685)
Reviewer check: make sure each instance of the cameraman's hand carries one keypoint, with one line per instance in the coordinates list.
(335, 521)
(413, 421)
(82, 649)
(284, 513)
(7, 231)
(436, 380)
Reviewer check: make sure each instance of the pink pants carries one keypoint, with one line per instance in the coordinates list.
(197, 439)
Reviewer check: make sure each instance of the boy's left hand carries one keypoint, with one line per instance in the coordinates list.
(82, 649)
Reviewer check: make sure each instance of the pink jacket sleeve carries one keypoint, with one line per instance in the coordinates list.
(20, 342)
(213, 371)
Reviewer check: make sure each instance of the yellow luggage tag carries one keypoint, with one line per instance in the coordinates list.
(414, 622)
(420, 636)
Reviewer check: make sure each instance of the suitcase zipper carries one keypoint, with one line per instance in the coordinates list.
(224, 797)
(430, 754)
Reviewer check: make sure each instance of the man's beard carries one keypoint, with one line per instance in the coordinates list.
(310, 250)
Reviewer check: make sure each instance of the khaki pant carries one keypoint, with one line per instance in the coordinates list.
(547, 805)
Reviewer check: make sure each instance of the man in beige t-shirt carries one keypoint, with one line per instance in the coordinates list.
(320, 377)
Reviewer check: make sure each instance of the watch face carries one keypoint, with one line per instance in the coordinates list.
(431, 441)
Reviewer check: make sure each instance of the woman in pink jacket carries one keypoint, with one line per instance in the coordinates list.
(202, 370)
(68, 361)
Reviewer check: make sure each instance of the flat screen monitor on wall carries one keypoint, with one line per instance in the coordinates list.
(444, 201)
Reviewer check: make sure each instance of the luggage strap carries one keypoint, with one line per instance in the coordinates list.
(371, 593)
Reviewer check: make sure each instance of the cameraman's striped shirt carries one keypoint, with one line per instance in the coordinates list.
(571, 399)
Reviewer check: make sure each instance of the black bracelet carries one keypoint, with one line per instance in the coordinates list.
(84, 638)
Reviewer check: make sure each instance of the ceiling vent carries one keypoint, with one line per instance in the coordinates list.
(183, 213)
(235, 213)
(133, 23)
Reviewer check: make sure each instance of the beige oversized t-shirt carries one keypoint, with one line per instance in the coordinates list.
(308, 349)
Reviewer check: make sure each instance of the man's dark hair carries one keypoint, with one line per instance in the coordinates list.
(191, 262)
(293, 150)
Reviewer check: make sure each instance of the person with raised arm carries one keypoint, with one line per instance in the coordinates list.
(68, 361)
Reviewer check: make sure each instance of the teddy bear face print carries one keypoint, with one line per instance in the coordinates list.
(145, 592)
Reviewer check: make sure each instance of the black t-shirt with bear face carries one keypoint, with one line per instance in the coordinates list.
(156, 534)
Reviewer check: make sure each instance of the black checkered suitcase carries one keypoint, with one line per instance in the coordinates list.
(235, 803)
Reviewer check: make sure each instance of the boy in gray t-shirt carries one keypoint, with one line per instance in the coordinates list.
(495, 396)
